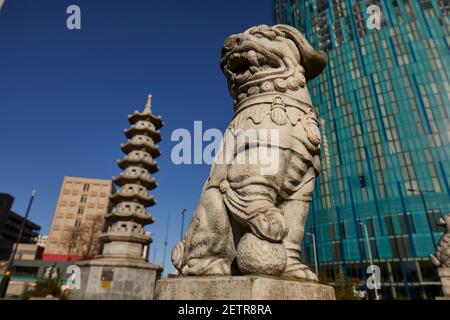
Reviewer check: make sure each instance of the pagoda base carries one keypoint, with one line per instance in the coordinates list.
(114, 279)
(240, 288)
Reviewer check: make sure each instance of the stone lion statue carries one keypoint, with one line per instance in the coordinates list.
(442, 256)
(251, 215)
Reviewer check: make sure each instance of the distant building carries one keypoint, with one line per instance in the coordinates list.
(10, 224)
(28, 271)
(384, 104)
(28, 251)
(78, 219)
(42, 240)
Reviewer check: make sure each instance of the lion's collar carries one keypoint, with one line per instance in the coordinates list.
(282, 100)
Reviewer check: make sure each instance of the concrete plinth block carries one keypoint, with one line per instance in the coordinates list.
(240, 288)
(104, 279)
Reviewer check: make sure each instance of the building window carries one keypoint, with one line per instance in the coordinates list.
(83, 199)
(77, 223)
(410, 221)
(332, 234)
(342, 227)
(434, 216)
(370, 227)
(389, 225)
(405, 221)
(337, 251)
(360, 230)
(80, 210)
(362, 181)
(404, 246)
(374, 249)
(86, 187)
(402, 223)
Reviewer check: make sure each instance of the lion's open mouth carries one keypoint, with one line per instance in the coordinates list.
(241, 67)
(252, 61)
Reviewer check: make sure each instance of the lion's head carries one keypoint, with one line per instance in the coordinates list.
(264, 59)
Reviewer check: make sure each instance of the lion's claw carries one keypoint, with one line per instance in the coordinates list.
(300, 272)
(269, 224)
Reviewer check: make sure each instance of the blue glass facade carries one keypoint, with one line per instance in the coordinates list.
(384, 100)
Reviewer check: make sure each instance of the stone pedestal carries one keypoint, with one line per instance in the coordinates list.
(108, 279)
(444, 274)
(240, 288)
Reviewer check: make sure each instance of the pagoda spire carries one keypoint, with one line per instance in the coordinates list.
(126, 237)
(148, 105)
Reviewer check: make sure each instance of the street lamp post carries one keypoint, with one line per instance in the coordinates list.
(369, 251)
(154, 255)
(182, 223)
(421, 193)
(166, 241)
(7, 275)
(316, 265)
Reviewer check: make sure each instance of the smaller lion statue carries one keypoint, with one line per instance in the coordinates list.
(442, 256)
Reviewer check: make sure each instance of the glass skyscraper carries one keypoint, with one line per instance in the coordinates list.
(384, 101)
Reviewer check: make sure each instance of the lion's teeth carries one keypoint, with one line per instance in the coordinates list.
(227, 70)
(252, 57)
(254, 69)
(261, 58)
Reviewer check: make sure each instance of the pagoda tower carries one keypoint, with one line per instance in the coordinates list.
(122, 270)
(125, 237)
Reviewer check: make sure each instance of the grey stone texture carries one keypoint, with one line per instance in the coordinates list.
(128, 282)
(244, 239)
(251, 214)
(240, 288)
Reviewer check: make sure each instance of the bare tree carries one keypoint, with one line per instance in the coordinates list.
(83, 240)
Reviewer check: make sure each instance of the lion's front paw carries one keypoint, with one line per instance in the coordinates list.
(269, 224)
(208, 266)
(299, 272)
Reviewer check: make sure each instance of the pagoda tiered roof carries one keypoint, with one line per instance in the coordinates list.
(137, 165)
(141, 142)
(127, 161)
(146, 181)
(118, 215)
(135, 196)
(146, 115)
(137, 129)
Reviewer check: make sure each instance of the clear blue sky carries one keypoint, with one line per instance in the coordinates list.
(65, 95)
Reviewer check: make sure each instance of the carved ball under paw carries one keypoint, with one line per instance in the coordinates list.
(256, 256)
